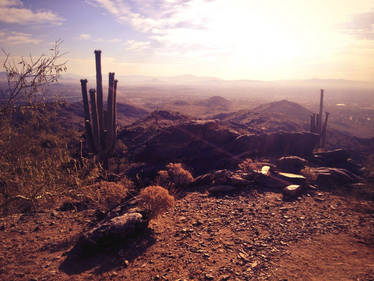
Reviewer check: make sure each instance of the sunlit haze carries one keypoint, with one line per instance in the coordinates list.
(238, 39)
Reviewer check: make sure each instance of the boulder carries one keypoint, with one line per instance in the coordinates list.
(292, 190)
(291, 163)
(117, 228)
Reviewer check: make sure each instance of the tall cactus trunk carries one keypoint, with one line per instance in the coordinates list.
(317, 125)
(99, 89)
(100, 124)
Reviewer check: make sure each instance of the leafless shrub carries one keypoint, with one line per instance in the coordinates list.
(155, 200)
(105, 195)
(27, 77)
(248, 166)
(175, 176)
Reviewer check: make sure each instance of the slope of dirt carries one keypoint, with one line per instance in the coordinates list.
(249, 235)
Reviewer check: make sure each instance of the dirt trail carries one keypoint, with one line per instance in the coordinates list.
(244, 236)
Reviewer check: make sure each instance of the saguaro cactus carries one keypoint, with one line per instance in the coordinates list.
(316, 123)
(100, 124)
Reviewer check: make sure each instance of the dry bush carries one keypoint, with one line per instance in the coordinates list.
(248, 166)
(175, 176)
(105, 195)
(308, 173)
(37, 164)
(155, 200)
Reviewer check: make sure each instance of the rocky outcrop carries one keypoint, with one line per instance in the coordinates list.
(221, 178)
(328, 178)
(209, 145)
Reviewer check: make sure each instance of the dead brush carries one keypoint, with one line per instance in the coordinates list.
(155, 200)
(104, 195)
(309, 174)
(174, 177)
(248, 166)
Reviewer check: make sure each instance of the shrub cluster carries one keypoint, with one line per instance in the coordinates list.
(105, 195)
(175, 176)
(248, 166)
(155, 200)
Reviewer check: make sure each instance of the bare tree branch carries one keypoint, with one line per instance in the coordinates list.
(27, 77)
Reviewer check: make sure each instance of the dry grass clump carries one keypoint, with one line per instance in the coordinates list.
(155, 200)
(37, 165)
(248, 166)
(175, 176)
(105, 195)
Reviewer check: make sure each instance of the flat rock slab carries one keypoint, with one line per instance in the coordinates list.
(292, 178)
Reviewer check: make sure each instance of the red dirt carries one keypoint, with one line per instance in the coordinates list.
(243, 236)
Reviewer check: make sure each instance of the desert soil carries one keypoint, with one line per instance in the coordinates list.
(249, 235)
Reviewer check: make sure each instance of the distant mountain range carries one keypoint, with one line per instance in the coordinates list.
(214, 82)
(192, 80)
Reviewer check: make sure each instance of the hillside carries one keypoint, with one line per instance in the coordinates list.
(234, 220)
(289, 110)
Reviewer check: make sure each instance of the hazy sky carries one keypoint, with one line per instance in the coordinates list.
(231, 39)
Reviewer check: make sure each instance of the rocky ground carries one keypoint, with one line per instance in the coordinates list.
(251, 234)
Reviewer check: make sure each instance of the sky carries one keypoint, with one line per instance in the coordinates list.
(233, 40)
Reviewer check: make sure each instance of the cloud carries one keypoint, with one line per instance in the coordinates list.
(133, 45)
(17, 38)
(12, 11)
(154, 16)
(85, 36)
(361, 26)
(170, 25)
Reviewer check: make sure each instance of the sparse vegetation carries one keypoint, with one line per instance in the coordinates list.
(28, 77)
(155, 200)
(175, 176)
(105, 195)
(308, 173)
(38, 154)
(37, 164)
(248, 166)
